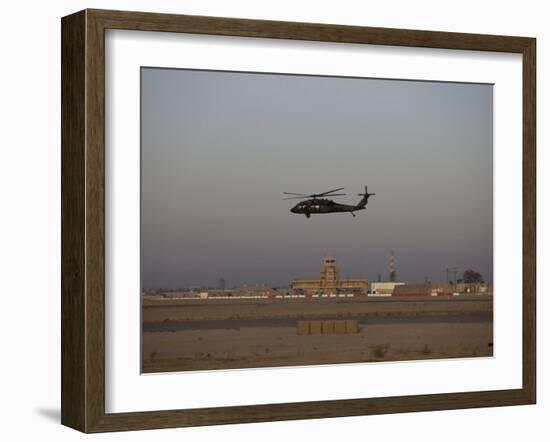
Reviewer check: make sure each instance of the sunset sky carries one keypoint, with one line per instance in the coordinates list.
(219, 149)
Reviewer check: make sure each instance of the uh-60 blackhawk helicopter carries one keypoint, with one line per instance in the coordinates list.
(316, 204)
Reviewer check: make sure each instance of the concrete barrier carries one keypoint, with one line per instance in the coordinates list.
(314, 327)
(327, 327)
(352, 326)
(340, 327)
(303, 328)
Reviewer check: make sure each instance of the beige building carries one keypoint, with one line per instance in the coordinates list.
(383, 288)
(329, 281)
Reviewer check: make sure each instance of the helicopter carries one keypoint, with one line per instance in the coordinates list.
(317, 204)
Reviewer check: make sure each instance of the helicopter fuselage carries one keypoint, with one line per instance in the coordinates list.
(321, 205)
(315, 204)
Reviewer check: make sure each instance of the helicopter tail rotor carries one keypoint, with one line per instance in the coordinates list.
(366, 194)
(365, 198)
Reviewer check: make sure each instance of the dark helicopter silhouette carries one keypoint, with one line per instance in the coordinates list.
(316, 204)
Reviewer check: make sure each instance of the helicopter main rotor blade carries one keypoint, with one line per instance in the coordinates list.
(311, 196)
(330, 191)
(314, 195)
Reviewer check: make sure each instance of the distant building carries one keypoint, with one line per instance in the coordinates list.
(475, 287)
(255, 291)
(442, 289)
(424, 289)
(329, 281)
(383, 288)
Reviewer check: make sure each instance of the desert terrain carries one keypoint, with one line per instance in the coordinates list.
(194, 334)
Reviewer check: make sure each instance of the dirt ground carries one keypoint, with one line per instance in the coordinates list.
(202, 335)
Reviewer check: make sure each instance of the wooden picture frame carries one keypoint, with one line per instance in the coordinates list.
(83, 220)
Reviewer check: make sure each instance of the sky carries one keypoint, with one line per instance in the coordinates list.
(218, 149)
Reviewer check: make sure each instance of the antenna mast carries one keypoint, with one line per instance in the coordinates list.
(392, 266)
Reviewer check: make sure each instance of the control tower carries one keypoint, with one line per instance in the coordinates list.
(329, 273)
(329, 281)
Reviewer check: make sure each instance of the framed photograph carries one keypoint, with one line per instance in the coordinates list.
(273, 220)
